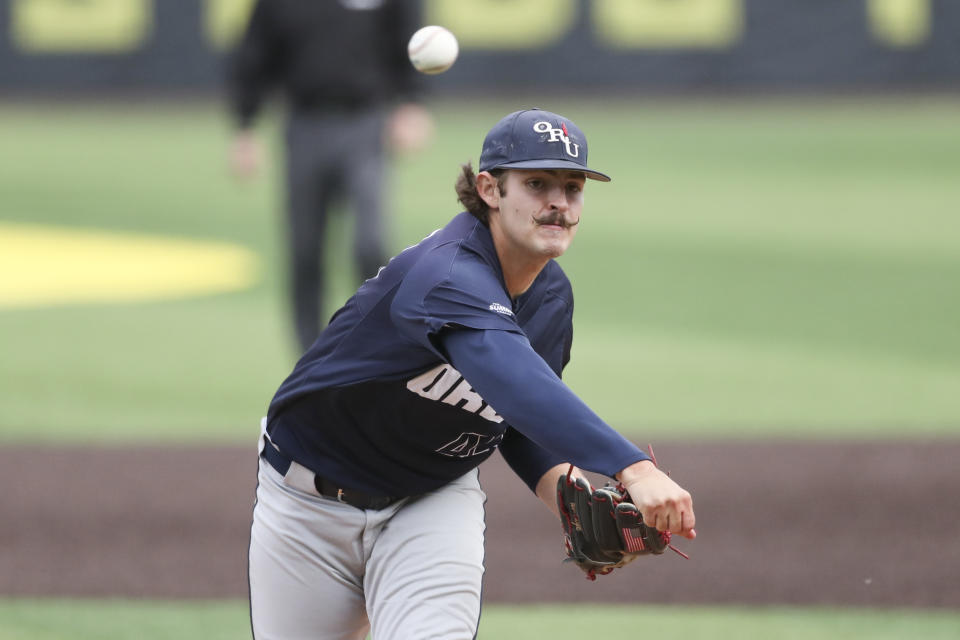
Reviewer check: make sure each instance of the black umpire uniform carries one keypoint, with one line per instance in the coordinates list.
(339, 64)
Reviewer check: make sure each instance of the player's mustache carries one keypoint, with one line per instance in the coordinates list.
(556, 219)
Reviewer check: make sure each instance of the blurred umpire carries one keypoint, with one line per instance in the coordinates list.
(350, 91)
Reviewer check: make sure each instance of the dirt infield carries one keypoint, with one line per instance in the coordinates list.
(791, 523)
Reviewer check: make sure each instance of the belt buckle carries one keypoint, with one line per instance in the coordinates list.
(340, 495)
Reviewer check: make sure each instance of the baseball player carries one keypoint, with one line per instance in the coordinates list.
(369, 513)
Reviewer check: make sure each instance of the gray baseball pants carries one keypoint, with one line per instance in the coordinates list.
(334, 156)
(322, 569)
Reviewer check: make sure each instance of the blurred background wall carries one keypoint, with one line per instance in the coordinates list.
(564, 44)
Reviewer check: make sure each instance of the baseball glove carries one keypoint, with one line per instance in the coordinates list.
(602, 529)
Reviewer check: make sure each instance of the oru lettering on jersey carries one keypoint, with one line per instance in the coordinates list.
(443, 383)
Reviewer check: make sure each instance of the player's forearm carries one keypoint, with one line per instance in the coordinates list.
(527, 459)
(636, 471)
(505, 370)
(547, 486)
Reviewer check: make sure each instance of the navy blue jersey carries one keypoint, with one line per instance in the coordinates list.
(379, 403)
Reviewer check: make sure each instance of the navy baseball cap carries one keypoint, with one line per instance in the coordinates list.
(537, 139)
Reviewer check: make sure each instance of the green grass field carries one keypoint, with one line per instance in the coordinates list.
(119, 620)
(783, 268)
(765, 268)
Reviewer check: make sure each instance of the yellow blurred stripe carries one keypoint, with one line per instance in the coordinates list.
(45, 265)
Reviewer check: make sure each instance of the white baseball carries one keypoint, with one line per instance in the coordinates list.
(433, 49)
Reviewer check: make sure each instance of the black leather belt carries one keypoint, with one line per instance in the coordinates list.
(324, 487)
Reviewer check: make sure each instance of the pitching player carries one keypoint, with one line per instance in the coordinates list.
(369, 513)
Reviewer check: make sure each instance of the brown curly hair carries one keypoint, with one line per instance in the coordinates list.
(466, 188)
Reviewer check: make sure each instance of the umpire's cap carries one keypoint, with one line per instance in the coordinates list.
(536, 139)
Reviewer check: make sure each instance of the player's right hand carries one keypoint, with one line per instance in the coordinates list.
(663, 503)
(410, 128)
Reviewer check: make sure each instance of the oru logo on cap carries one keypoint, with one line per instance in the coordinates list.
(558, 135)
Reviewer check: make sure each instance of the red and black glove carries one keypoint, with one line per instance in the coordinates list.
(603, 530)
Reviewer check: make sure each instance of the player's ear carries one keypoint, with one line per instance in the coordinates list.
(488, 189)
